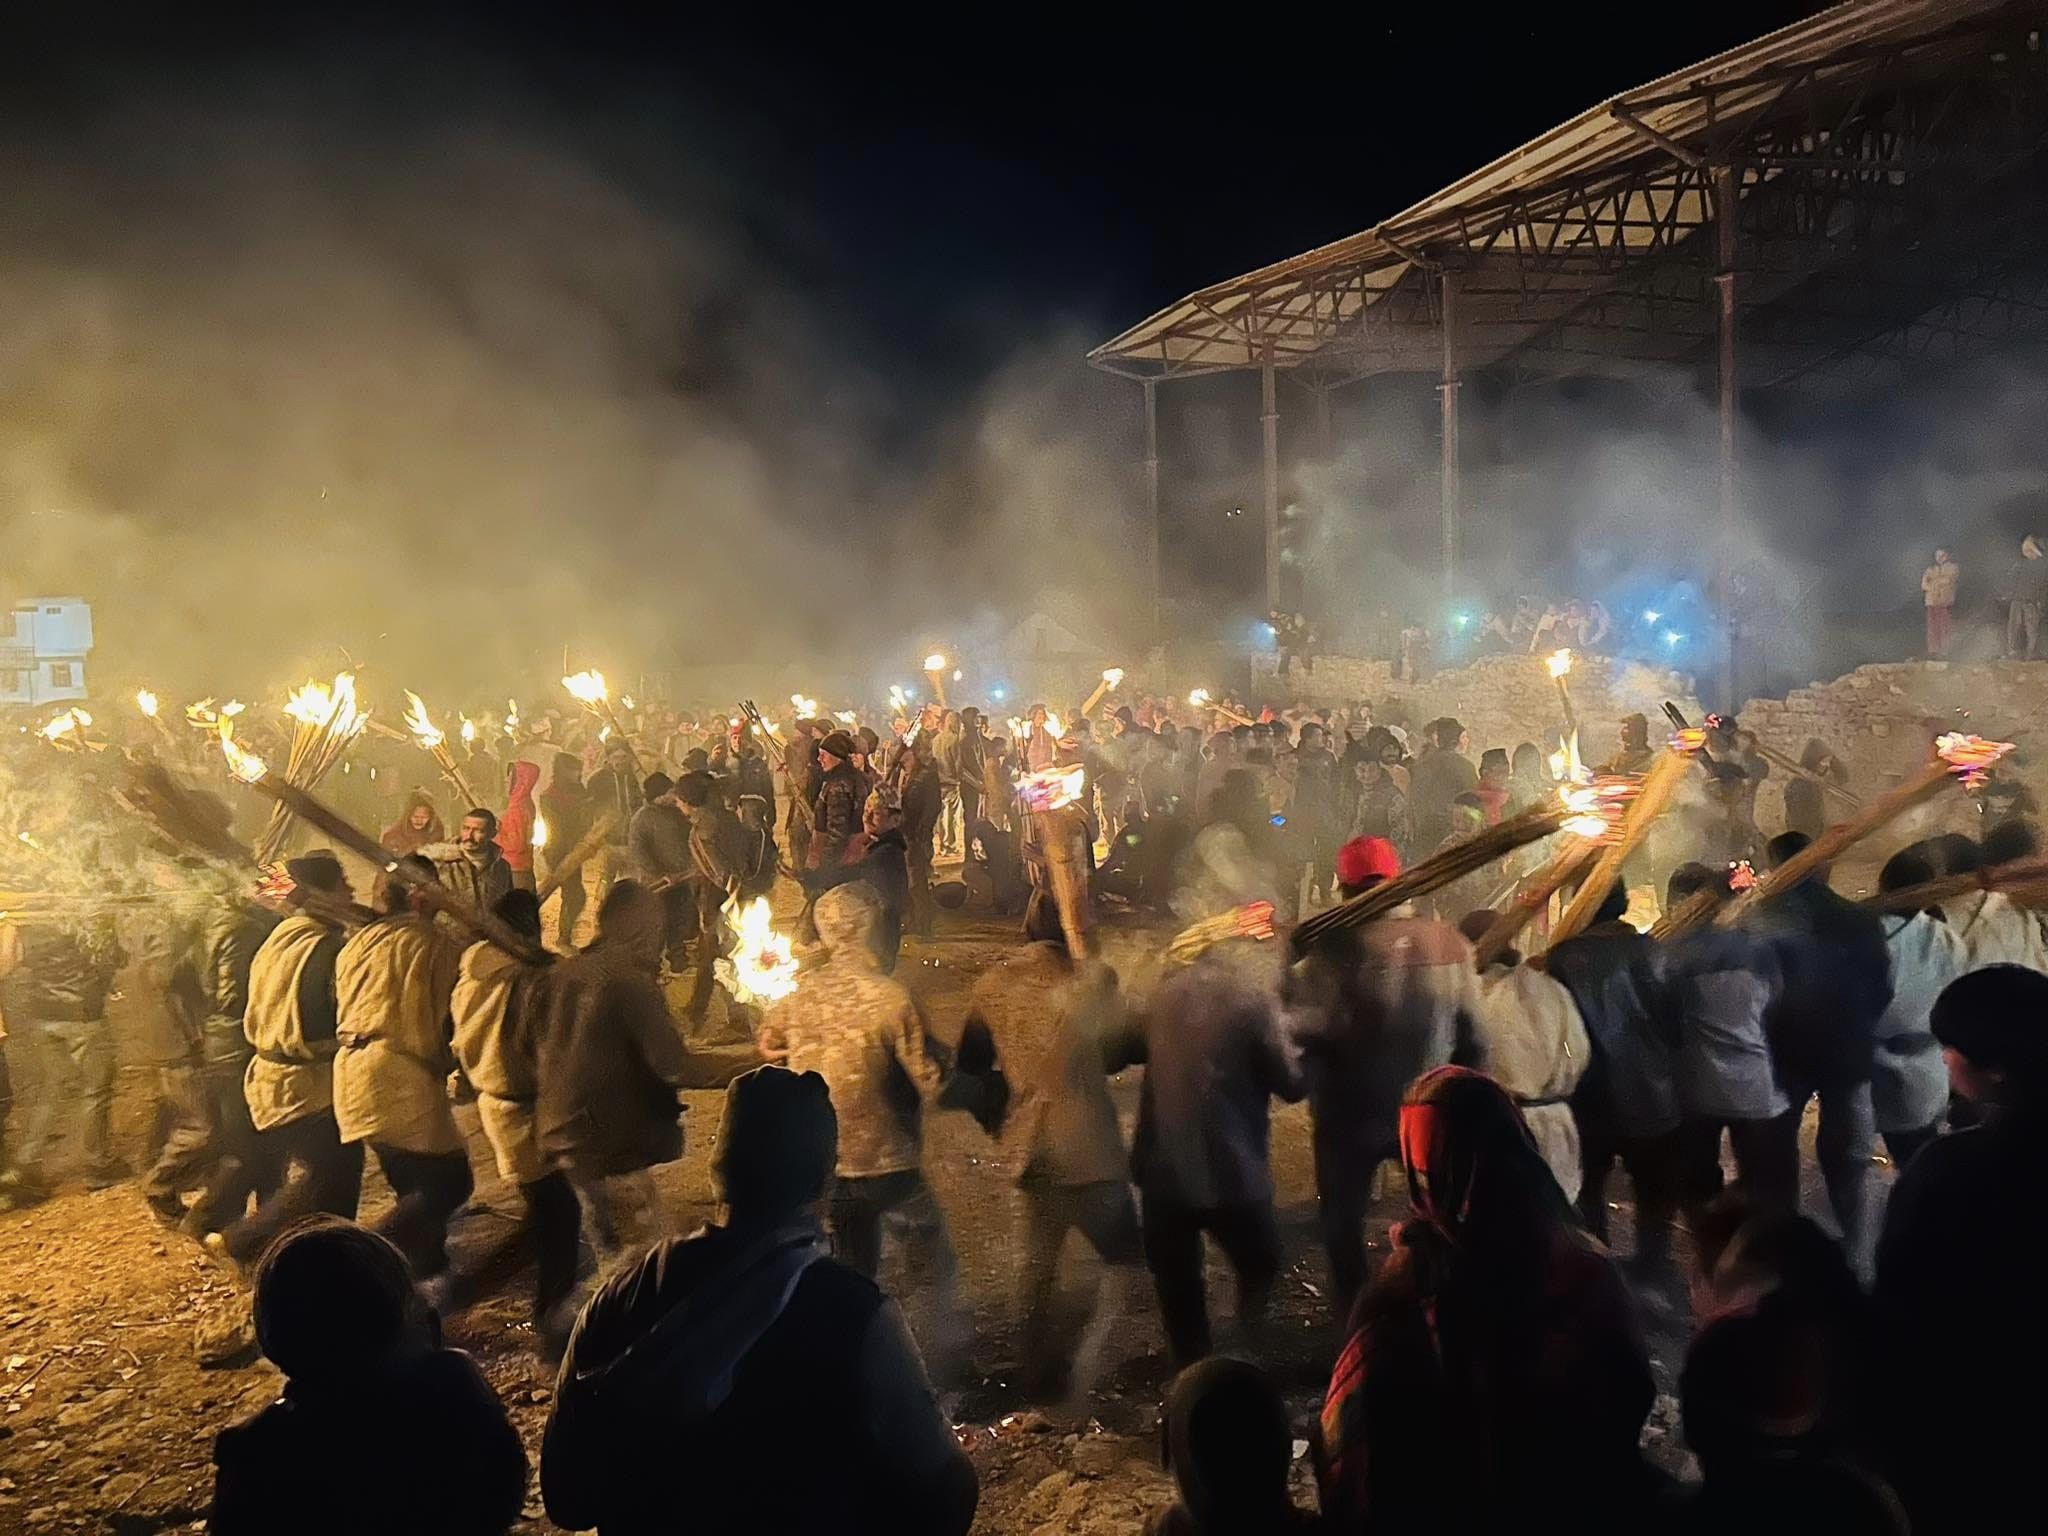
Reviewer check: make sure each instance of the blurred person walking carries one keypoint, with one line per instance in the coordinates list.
(1938, 593)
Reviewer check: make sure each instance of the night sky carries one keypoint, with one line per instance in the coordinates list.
(950, 187)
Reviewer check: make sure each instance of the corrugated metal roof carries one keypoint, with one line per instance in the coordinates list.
(1298, 306)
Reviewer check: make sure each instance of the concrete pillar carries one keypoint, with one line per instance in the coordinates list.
(1269, 419)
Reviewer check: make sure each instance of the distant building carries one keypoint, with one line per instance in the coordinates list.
(42, 661)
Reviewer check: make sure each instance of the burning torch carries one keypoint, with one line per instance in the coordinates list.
(1111, 680)
(935, 669)
(588, 689)
(1051, 797)
(430, 736)
(1560, 665)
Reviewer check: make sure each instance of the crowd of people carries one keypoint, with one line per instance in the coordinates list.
(1492, 1368)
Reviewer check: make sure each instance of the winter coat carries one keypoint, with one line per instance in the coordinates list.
(1438, 778)
(742, 1380)
(883, 862)
(617, 795)
(402, 837)
(494, 1041)
(448, 1462)
(1053, 1028)
(1312, 808)
(569, 814)
(1834, 985)
(610, 1063)
(1379, 809)
(864, 1034)
(392, 983)
(1527, 1036)
(1909, 1080)
(1710, 1002)
(836, 807)
(1632, 1086)
(1996, 932)
(659, 843)
(515, 827)
(290, 1023)
(480, 882)
(65, 972)
(1215, 1058)
(1372, 1008)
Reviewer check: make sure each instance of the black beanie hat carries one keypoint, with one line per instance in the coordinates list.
(1996, 1017)
(778, 1141)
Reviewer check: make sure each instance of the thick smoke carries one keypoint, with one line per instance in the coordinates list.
(416, 372)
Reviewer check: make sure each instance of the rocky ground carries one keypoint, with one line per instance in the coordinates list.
(107, 1413)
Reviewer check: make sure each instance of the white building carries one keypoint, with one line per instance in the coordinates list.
(42, 661)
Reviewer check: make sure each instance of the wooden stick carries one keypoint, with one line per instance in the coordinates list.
(1533, 897)
(1840, 838)
(1793, 766)
(1659, 785)
(484, 925)
(577, 857)
(1932, 893)
(1686, 916)
(1433, 873)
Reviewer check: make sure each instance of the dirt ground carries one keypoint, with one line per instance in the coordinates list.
(107, 1416)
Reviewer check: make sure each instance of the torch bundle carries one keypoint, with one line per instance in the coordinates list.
(325, 720)
(588, 689)
(435, 743)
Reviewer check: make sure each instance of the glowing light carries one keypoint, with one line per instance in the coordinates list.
(1741, 875)
(1560, 663)
(242, 763)
(1199, 699)
(999, 694)
(1672, 637)
(146, 702)
(468, 729)
(1598, 808)
(71, 723)
(604, 733)
(806, 708)
(1691, 739)
(327, 706)
(1462, 619)
(626, 701)
(1114, 677)
(232, 708)
(587, 687)
(899, 697)
(1566, 765)
(1651, 615)
(423, 729)
(845, 716)
(958, 674)
(1054, 728)
(1051, 789)
(935, 662)
(762, 967)
(540, 830)
(511, 717)
(1970, 757)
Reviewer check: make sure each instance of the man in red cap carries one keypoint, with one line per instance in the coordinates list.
(1375, 1006)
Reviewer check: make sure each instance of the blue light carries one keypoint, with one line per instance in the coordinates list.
(1461, 620)
(999, 694)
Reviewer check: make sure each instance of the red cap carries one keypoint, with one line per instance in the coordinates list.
(1366, 858)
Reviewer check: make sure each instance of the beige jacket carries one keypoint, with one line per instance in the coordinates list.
(1996, 932)
(494, 1043)
(289, 1077)
(1528, 1037)
(1938, 584)
(393, 984)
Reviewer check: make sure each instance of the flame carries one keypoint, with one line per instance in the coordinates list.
(1566, 766)
(511, 717)
(423, 729)
(146, 702)
(1741, 875)
(1598, 807)
(935, 662)
(587, 687)
(1114, 677)
(762, 967)
(468, 729)
(604, 733)
(326, 706)
(1054, 728)
(1052, 789)
(1016, 727)
(898, 699)
(202, 714)
(1969, 757)
(540, 830)
(806, 709)
(957, 674)
(1199, 699)
(1691, 739)
(28, 840)
(232, 708)
(1560, 663)
(845, 717)
(71, 723)
(626, 701)
(242, 763)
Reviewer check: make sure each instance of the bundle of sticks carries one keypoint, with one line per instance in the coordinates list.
(1434, 873)
(2024, 880)
(1253, 920)
(326, 720)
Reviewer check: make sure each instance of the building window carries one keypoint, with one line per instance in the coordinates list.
(60, 674)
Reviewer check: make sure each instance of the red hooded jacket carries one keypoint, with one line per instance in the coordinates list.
(515, 827)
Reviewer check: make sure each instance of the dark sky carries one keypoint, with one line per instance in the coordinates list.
(951, 186)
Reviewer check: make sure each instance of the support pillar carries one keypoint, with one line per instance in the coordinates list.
(1727, 182)
(1269, 419)
(1447, 283)
(1152, 502)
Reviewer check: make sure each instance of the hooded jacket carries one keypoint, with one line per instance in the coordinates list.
(1995, 931)
(515, 827)
(610, 1063)
(494, 1042)
(836, 806)
(863, 1033)
(402, 837)
(290, 1023)
(1909, 1080)
(480, 880)
(566, 804)
(1527, 1036)
(393, 981)
(689, 1373)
